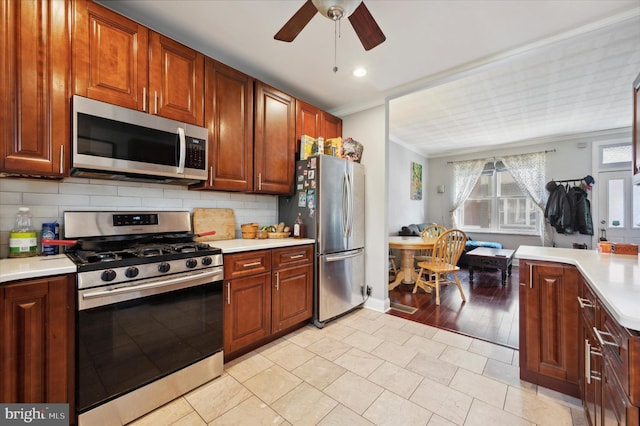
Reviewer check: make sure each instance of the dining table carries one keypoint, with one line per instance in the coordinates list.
(408, 246)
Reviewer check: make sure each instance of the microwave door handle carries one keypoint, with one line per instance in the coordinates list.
(183, 149)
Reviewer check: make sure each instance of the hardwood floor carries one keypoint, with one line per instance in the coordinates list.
(490, 312)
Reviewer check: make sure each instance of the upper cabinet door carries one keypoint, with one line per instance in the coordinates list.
(307, 120)
(34, 89)
(331, 126)
(274, 140)
(110, 57)
(229, 118)
(176, 80)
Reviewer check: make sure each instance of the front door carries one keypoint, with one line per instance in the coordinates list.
(618, 207)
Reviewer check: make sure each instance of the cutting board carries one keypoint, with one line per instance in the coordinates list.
(220, 220)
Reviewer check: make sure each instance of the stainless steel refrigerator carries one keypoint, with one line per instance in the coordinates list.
(330, 198)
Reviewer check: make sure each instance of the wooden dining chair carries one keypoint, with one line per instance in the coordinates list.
(392, 265)
(429, 232)
(443, 262)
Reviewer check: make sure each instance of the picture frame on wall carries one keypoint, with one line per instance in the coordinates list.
(416, 181)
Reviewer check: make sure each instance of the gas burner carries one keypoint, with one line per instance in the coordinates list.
(152, 251)
(189, 247)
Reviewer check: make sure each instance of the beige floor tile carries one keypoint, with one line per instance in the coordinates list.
(391, 409)
(329, 348)
(480, 387)
(247, 366)
(452, 339)
(491, 350)
(396, 379)
(166, 415)
(305, 336)
(537, 409)
(578, 417)
(217, 397)
(272, 383)
(393, 322)
(359, 362)
(436, 420)
(363, 341)
(191, 419)
(290, 357)
(568, 400)
(319, 372)
(252, 411)
(442, 400)
(483, 414)
(304, 405)
(391, 334)
(342, 416)
(267, 348)
(464, 359)
(426, 346)
(434, 369)
(337, 331)
(506, 373)
(395, 353)
(365, 324)
(419, 329)
(353, 391)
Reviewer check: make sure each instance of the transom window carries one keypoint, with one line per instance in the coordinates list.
(497, 204)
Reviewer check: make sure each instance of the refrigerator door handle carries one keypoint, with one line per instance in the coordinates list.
(350, 189)
(343, 256)
(345, 205)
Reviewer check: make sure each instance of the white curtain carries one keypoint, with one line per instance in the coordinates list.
(528, 172)
(465, 176)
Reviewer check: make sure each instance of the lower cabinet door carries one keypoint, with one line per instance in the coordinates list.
(616, 407)
(292, 296)
(247, 311)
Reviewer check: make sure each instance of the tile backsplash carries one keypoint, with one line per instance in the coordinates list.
(49, 199)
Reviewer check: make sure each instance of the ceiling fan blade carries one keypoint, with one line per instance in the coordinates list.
(366, 28)
(298, 21)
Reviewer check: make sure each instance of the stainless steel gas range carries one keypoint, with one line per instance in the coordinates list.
(149, 311)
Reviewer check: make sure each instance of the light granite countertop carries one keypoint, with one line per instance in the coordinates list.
(43, 266)
(34, 267)
(614, 278)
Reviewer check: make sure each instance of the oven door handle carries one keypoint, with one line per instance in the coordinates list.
(93, 299)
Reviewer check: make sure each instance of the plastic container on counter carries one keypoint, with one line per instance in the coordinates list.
(23, 240)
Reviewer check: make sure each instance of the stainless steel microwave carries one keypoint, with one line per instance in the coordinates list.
(112, 142)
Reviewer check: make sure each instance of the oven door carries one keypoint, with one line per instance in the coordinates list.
(131, 336)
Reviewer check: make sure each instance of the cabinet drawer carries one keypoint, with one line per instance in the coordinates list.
(292, 256)
(247, 263)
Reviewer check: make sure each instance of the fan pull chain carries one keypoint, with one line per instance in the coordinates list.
(335, 46)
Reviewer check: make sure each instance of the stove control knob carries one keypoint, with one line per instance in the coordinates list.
(192, 263)
(108, 275)
(164, 267)
(206, 261)
(131, 272)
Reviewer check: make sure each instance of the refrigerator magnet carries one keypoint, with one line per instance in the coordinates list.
(312, 163)
(302, 199)
(311, 198)
(312, 174)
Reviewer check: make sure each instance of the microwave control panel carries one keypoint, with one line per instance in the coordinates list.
(196, 157)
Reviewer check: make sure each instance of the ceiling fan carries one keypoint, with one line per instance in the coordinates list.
(361, 20)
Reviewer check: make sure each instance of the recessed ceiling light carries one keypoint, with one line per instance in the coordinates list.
(359, 72)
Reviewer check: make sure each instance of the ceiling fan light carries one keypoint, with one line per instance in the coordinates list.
(359, 72)
(336, 9)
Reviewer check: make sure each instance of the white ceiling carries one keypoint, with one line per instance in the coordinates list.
(460, 74)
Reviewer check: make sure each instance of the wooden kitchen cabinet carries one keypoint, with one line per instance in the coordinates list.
(274, 140)
(549, 325)
(267, 293)
(37, 341)
(229, 118)
(314, 122)
(35, 68)
(119, 61)
(292, 289)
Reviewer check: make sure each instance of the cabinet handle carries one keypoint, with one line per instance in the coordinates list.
(228, 293)
(603, 342)
(530, 276)
(585, 303)
(144, 99)
(587, 361)
(61, 159)
(155, 102)
(211, 176)
(278, 281)
(297, 256)
(259, 181)
(247, 265)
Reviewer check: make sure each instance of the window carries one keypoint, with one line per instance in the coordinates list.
(497, 204)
